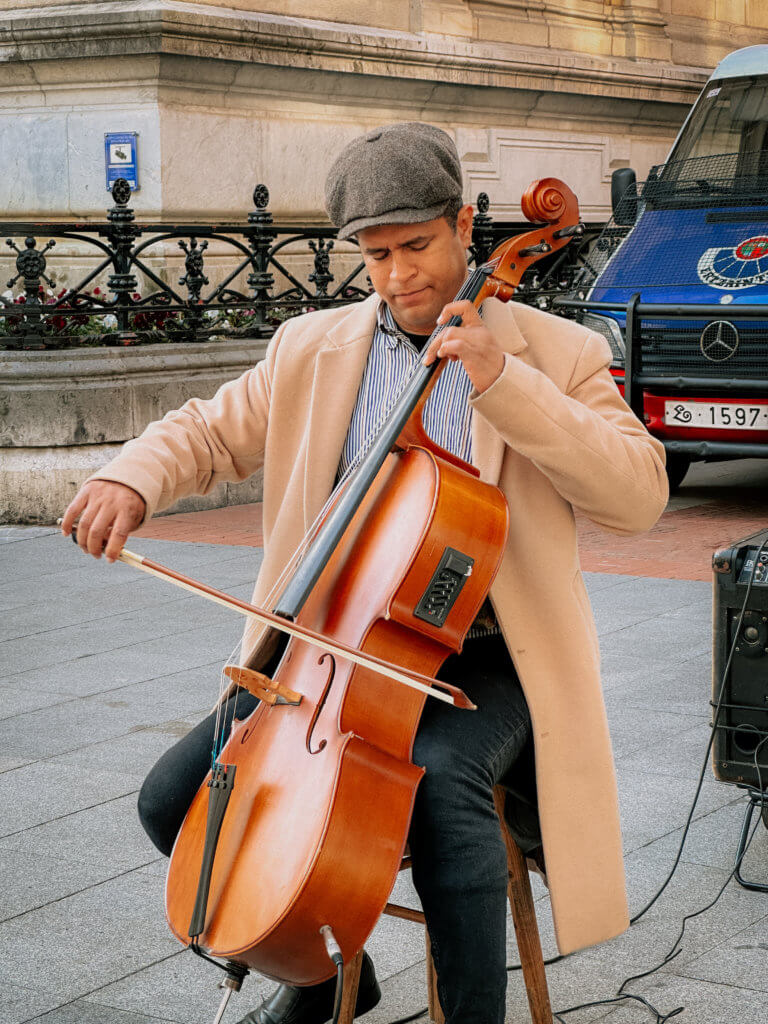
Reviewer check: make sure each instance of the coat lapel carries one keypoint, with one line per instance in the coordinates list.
(338, 371)
(487, 444)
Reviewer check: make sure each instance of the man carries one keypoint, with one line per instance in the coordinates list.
(529, 399)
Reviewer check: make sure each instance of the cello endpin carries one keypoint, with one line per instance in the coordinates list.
(224, 1000)
(231, 983)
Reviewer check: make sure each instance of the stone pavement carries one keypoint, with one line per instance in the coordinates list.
(102, 668)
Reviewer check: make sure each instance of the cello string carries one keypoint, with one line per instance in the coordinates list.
(290, 566)
(462, 294)
(222, 705)
(300, 551)
(295, 560)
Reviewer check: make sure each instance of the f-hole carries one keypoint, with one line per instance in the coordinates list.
(321, 704)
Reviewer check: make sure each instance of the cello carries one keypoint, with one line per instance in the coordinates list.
(289, 851)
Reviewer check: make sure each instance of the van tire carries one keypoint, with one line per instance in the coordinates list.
(677, 467)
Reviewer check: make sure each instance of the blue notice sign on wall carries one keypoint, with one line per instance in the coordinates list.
(121, 157)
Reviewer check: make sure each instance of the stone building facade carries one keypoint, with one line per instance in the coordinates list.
(225, 95)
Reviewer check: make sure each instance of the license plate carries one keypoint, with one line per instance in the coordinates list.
(723, 415)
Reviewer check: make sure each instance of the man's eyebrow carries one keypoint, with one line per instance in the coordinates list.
(416, 240)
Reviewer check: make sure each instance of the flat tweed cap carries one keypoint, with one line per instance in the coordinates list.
(400, 174)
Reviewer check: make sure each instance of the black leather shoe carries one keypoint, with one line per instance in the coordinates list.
(313, 1004)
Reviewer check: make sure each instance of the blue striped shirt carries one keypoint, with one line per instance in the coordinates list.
(392, 361)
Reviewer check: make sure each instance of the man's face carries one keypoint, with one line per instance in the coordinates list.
(417, 268)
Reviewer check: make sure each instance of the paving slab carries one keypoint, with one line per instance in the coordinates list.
(713, 840)
(690, 891)
(651, 807)
(704, 1003)
(632, 732)
(99, 578)
(105, 838)
(7, 764)
(83, 941)
(95, 701)
(134, 752)
(84, 1011)
(16, 534)
(71, 724)
(87, 674)
(17, 699)
(682, 686)
(642, 600)
(739, 960)
(678, 634)
(98, 596)
(180, 988)
(597, 581)
(20, 1004)
(680, 755)
(32, 880)
(50, 648)
(41, 792)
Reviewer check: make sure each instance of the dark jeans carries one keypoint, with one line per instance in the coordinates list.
(459, 858)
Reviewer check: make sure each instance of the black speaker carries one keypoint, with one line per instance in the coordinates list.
(743, 720)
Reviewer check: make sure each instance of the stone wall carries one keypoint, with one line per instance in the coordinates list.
(225, 95)
(63, 415)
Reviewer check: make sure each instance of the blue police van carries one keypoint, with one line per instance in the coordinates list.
(678, 280)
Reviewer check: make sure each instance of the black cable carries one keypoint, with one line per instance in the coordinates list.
(339, 991)
(413, 1016)
(715, 721)
(676, 948)
(702, 773)
(674, 952)
(620, 999)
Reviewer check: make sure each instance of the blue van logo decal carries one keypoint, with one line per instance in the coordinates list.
(742, 266)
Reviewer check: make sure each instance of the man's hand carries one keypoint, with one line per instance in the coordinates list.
(471, 342)
(108, 513)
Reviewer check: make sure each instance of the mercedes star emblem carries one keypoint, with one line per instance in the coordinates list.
(719, 341)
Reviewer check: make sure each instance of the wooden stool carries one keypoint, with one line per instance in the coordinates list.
(526, 930)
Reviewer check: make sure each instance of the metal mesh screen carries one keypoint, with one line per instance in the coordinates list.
(674, 347)
(695, 232)
(722, 200)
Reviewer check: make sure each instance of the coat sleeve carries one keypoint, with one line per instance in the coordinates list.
(586, 440)
(205, 442)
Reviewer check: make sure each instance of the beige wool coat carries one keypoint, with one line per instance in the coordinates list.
(555, 435)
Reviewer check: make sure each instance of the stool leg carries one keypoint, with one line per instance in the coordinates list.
(349, 991)
(433, 999)
(526, 927)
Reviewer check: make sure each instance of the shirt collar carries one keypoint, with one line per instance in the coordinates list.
(386, 324)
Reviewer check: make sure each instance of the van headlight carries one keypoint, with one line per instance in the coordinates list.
(611, 331)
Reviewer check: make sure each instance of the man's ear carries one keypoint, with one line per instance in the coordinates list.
(464, 225)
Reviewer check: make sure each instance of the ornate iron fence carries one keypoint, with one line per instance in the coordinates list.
(37, 318)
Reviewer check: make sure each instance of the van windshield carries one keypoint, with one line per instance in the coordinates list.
(721, 157)
(731, 116)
